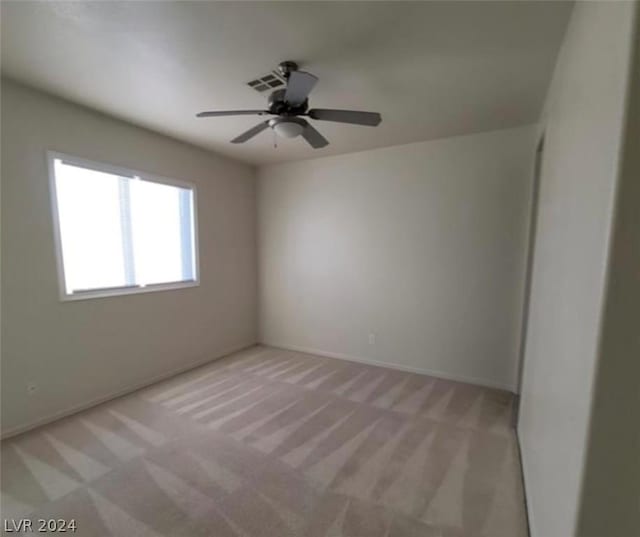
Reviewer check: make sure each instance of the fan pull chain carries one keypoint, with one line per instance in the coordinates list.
(275, 140)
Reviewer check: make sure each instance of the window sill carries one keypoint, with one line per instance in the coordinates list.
(123, 291)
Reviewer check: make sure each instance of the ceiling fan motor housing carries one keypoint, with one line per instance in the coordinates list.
(277, 105)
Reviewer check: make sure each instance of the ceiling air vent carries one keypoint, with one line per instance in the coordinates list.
(267, 82)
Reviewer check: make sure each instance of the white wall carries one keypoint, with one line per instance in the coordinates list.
(422, 245)
(82, 351)
(611, 486)
(583, 122)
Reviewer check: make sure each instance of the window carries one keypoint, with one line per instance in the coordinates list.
(120, 232)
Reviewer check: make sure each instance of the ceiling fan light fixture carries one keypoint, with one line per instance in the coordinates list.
(288, 127)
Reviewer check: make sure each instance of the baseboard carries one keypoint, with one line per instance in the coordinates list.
(392, 365)
(524, 474)
(114, 395)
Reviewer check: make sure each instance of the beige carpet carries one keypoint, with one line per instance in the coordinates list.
(272, 443)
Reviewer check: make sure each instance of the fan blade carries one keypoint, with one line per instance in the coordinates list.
(250, 133)
(314, 138)
(233, 113)
(355, 117)
(299, 86)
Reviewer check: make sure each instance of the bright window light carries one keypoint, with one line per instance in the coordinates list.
(119, 232)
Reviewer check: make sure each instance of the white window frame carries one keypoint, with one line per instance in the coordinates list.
(52, 156)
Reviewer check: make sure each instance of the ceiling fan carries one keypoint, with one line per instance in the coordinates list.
(290, 105)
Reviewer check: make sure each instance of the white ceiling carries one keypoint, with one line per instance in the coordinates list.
(432, 69)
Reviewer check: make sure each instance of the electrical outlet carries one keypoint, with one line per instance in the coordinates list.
(32, 388)
(372, 339)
